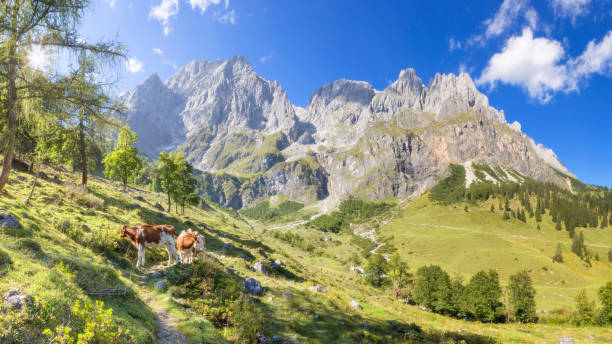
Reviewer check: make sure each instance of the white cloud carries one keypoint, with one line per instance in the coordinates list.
(504, 17)
(227, 17)
(166, 61)
(111, 3)
(163, 12)
(266, 58)
(203, 5)
(596, 59)
(537, 65)
(134, 65)
(528, 62)
(531, 16)
(453, 44)
(570, 8)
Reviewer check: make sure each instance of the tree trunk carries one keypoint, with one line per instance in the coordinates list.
(169, 204)
(25, 201)
(11, 102)
(83, 149)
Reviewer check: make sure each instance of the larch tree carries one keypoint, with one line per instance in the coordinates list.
(28, 28)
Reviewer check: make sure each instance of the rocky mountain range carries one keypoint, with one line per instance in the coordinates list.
(351, 139)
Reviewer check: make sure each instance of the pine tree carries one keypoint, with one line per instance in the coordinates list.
(522, 297)
(538, 217)
(506, 216)
(558, 226)
(605, 298)
(584, 314)
(604, 220)
(558, 257)
(493, 209)
(578, 245)
(500, 205)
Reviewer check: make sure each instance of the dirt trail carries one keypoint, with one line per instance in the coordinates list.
(168, 332)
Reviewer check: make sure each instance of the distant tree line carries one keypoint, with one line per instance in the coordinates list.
(482, 298)
(350, 210)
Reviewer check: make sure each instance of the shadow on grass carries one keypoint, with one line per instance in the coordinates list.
(330, 320)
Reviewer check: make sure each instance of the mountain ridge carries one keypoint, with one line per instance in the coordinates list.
(227, 119)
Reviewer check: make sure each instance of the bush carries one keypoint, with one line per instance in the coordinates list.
(5, 259)
(83, 198)
(584, 315)
(333, 222)
(92, 324)
(295, 240)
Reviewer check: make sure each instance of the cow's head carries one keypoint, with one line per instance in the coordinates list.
(123, 232)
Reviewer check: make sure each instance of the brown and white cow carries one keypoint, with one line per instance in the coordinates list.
(190, 244)
(145, 235)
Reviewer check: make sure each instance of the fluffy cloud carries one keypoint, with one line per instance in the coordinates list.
(158, 51)
(532, 63)
(570, 8)
(134, 65)
(163, 12)
(111, 3)
(203, 5)
(538, 65)
(165, 61)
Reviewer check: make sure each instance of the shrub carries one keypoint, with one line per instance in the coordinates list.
(83, 198)
(333, 222)
(93, 324)
(29, 245)
(5, 259)
(584, 315)
(250, 319)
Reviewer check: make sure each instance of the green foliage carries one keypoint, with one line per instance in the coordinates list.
(175, 177)
(558, 257)
(376, 269)
(605, 298)
(249, 320)
(398, 273)
(295, 240)
(333, 222)
(92, 324)
(351, 210)
(522, 297)
(123, 163)
(366, 245)
(432, 288)
(5, 259)
(452, 188)
(610, 255)
(482, 296)
(578, 246)
(263, 211)
(584, 315)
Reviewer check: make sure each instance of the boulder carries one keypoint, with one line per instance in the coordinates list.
(43, 175)
(229, 271)
(276, 264)
(228, 246)
(287, 294)
(260, 267)
(355, 304)
(135, 206)
(85, 227)
(202, 224)
(22, 178)
(160, 284)
(253, 286)
(139, 198)
(318, 288)
(17, 299)
(9, 221)
(155, 274)
(159, 206)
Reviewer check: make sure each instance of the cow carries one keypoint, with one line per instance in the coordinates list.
(190, 244)
(142, 236)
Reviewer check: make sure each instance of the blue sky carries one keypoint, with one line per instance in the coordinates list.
(547, 63)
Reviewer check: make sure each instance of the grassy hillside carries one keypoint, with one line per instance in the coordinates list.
(465, 242)
(96, 260)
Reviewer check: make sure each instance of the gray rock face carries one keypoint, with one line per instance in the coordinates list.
(17, 299)
(350, 140)
(9, 221)
(318, 288)
(160, 284)
(253, 286)
(260, 267)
